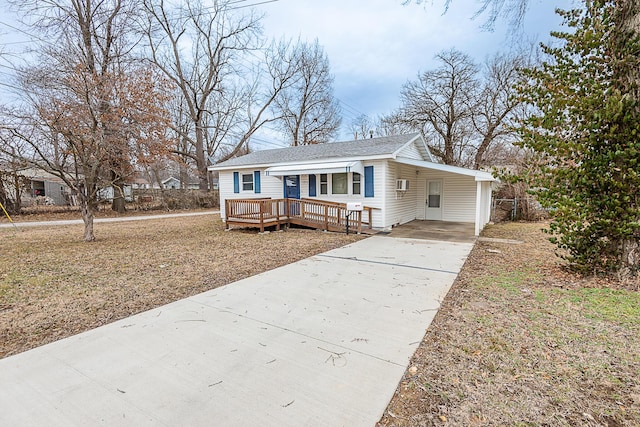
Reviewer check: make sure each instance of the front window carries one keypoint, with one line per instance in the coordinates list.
(356, 183)
(247, 182)
(339, 183)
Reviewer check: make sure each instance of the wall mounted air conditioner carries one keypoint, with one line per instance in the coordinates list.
(402, 184)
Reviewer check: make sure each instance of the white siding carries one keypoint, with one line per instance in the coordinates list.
(421, 188)
(458, 196)
(411, 152)
(400, 206)
(376, 202)
(270, 186)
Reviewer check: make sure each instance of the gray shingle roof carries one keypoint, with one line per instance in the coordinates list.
(330, 151)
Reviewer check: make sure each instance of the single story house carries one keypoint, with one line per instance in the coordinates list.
(396, 176)
(173, 183)
(40, 185)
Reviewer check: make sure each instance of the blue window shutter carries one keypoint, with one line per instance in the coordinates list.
(256, 182)
(312, 186)
(236, 182)
(368, 181)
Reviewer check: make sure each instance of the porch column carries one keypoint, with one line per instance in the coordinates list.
(478, 207)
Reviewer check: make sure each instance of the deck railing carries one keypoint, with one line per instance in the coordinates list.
(324, 215)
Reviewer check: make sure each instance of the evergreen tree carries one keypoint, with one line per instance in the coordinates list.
(585, 133)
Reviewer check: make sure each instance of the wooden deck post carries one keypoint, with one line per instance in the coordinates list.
(261, 216)
(275, 203)
(326, 217)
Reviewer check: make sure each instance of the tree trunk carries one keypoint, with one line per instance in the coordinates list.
(201, 163)
(630, 262)
(17, 204)
(118, 203)
(481, 150)
(628, 24)
(88, 213)
(184, 177)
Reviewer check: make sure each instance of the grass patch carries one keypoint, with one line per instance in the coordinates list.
(510, 281)
(612, 305)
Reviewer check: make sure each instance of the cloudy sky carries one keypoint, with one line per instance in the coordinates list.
(374, 46)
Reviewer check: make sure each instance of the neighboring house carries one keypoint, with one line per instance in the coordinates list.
(140, 183)
(49, 186)
(397, 176)
(173, 183)
(106, 194)
(215, 184)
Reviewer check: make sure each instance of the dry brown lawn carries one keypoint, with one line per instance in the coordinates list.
(519, 341)
(53, 285)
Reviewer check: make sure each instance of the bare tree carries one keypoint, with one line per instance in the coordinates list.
(13, 183)
(495, 107)
(462, 109)
(307, 110)
(392, 124)
(96, 34)
(198, 48)
(207, 53)
(88, 113)
(441, 102)
(362, 127)
(513, 11)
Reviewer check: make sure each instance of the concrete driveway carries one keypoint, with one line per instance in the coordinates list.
(320, 342)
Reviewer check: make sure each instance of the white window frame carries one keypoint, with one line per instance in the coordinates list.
(324, 185)
(354, 183)
(244, 183)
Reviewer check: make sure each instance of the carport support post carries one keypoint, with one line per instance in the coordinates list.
(478, 206)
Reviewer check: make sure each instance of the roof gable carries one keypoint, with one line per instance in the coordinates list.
(384, 147)
(416, 149)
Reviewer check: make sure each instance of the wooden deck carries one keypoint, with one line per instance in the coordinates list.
(321, 215)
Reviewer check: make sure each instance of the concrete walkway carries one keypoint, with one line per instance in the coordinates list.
(320, 342)
(100, 220)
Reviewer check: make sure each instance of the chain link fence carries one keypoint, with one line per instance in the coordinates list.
(517, 209)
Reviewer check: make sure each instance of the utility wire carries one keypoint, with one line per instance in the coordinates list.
(33, 36)
(253, 4)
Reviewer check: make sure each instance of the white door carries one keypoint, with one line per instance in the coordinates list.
(433, 210)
